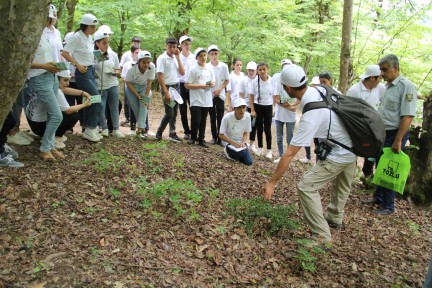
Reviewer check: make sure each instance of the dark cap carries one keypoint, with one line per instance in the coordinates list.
(325, 75)
(136, 39)
(171, 40)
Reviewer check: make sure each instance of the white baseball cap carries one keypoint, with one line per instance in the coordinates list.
(52, 13)
(251, 66)
(144, 54)
(89, 19)
(371, 70)
(315, 80)
(184, 38)
(100, 35)
(212, 47)
(198, 51)
(239, 102)
(105, 29)
(68, 36)
(293, 76)
(64, 74)
(286, 61)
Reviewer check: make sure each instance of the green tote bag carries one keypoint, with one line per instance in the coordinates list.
(393, 170)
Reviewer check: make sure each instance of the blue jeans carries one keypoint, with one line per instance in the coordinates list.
(138, 108)
(170, 115)
(383, 195)
(280, 134)
(110, 96)
(242, 156)
(45, 87)
(428, 281)
(87, 83)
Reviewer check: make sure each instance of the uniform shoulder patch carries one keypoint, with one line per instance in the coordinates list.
(409, 97)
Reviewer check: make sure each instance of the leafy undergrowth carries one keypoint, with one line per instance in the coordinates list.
(130, 213)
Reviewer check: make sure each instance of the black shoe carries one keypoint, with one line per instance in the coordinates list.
(335, 225)
(372, 202)
(214, 142)
(125, 123)
(191, 142)
(142, 135)
(219, 142)
(187, 136)
(203, 144)
(384, 212)
(174, 137)
(158, 137)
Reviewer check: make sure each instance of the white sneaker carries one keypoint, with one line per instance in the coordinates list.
(304, 160)
(59, 143)
(259, 152)
(98, 135)
(91, 135)
(105, 133)
(18, 140)
(277, 160)
(25, 136)
(269, 154)
(8, 161)
(150, 133)
(63, 138)
(131, 133)
(253, 148)
(118, 134)
(10, 151)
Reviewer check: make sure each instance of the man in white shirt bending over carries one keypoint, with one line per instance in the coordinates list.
(335, 163)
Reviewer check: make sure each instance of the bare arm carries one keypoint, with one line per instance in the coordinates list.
(76, 108)
(46, 66)
(75, 92)
(252, 105)
(69, 58)
(161, 79)
(230, 141)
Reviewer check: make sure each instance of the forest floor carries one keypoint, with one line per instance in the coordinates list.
(133, 213)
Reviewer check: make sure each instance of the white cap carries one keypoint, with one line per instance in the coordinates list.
(89, 19)
(100, 35)
(371, 70)
(64, 74)
(68, 36)
(251, 66)
(199, 50)
(239, 102)
(105, 29)
(184, 38)
(286, 61)
(315, 80)
(52, 13)
(293, 76)
(144, 54)
(212, 47)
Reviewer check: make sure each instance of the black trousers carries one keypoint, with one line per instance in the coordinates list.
(216, 115)
(198, 122)
(252, 134)
(8, 124)
(183, 108)
(263, 122)
(67, 123)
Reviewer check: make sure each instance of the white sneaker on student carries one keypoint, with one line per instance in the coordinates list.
(117, 133)
(105, 133)
(18, 140)
(6, 160)
(25, 136)
(253, 148)
(59, 143)
(90, 134)
(64, 138)
(277, 160)
(269, 154)
(304, 160)
(259, 152)
(131, 133)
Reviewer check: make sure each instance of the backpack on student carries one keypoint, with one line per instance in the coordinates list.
(362, 121)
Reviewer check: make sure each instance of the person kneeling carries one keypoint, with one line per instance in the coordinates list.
(234, 131)
(37, 117)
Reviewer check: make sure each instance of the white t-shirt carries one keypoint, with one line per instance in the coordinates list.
(200, 75)
(135, 76)
(37, 112)
(233, 128)
(187, 62)
(126, 68)
(315, 124)
(265, 89)
(55, 41)
(169, 67)
(81, 47)
(109, 66)
(234, 85)
(43, 55)
(283, 114)
(126, 57)
(244, 88)
(373, 97)
(221, 74)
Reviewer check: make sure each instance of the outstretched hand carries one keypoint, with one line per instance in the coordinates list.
(268, 190)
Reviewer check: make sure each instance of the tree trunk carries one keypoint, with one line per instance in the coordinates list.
(21, 25)
(71, 9)
(345, 56)
(420, 181)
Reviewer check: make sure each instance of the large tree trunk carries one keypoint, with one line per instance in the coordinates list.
(21, 27)
(345, 56)
(419, 187)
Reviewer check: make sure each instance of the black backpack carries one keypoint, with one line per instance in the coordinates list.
(362, 121)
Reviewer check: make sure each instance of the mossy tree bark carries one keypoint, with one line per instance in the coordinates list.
(21, 27)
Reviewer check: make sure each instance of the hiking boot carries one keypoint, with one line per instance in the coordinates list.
(11, 152)
(47, 156)
(186, 136)
(6, 160)
(191, 142)
(335, 225)
(203, 144)
(372, 202)
(174, 137)
(57, 154)
(384, 212)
